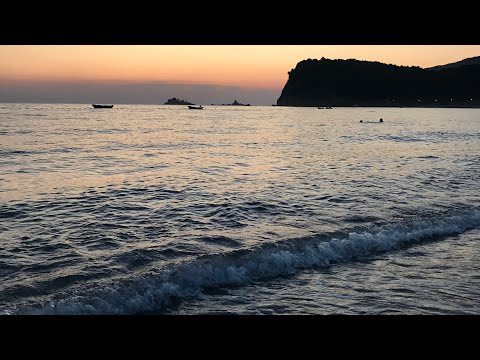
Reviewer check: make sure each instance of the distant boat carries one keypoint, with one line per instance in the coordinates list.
(98, 106)
(320, 107)
(195, 107)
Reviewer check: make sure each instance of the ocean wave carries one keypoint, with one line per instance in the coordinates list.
(64, 150)
(157, 289)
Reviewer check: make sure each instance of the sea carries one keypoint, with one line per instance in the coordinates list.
(162, 210)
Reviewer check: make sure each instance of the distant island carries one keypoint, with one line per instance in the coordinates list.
(353, 82)
(235, 103)
(175, 101)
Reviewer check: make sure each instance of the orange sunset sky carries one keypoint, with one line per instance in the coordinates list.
(255, 67)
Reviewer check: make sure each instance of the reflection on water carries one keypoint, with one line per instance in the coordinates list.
(90, 199)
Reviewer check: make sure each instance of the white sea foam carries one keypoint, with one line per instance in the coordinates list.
(154, 292)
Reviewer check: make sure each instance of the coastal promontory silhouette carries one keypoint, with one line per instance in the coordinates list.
(235, 103)
(470, 61)
(353, 82)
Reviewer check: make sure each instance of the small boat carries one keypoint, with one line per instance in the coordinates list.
(195, 107)
(98, 106)
(320, 107)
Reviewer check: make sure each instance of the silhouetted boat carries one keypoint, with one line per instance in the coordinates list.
(98, 106)
(195, 107)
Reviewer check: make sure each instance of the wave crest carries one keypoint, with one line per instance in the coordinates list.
(154, 291)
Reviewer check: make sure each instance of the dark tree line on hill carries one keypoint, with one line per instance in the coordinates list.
(364, 83)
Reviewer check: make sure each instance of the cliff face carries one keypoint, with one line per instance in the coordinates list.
(363, 83)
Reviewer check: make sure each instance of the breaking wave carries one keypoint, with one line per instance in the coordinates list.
(157, 289)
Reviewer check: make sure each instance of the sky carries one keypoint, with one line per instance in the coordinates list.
(204, 74)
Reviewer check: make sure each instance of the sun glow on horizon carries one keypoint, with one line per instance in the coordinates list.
(252, 66)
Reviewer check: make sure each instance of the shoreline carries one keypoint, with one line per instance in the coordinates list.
(268, 105)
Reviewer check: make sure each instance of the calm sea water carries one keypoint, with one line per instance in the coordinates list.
(242, 210)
